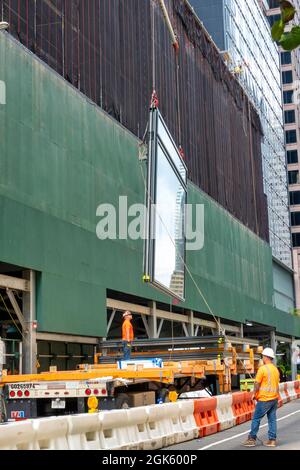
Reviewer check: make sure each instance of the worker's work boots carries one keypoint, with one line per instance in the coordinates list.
(270, 443)
(250, 442)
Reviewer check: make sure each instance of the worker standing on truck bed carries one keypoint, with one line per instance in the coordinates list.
(266, 392)
(127, 335)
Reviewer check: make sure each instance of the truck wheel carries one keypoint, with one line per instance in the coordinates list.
(163, 395)
(122, 402)
(3, 413)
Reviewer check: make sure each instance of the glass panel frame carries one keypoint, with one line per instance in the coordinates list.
(165, 244)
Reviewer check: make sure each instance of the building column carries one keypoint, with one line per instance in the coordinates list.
(29, 336)
(191, 328)
(296, 278)
(273, 344)
(152, 321)
(293, 364)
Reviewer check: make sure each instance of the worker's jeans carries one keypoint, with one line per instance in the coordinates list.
(263, 408)
(126, 350)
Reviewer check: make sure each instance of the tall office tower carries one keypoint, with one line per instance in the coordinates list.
(241, 31)
(290, 70)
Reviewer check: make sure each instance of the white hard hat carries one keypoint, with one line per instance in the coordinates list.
(269, 353)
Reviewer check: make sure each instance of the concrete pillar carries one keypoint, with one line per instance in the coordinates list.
(2, 355)
(273, 344)
(296, 277)
(219, 329)
(152, 321)
(191, 327)
(29, 312)
(242, 330)
(293, 364)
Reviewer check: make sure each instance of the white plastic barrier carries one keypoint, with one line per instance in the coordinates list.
(282, 393)
(51, 433)
(172, 423)
(147, 428)
(114, 430)
(17, 436)
(156, 426)
(189, 427)
(84, 432)
(291, 390)
(138, 429)
(224, 412)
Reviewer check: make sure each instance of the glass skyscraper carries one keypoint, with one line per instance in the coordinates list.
(242, 32)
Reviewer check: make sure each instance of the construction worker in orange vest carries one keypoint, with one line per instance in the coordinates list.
(127, 335)
(266, 393)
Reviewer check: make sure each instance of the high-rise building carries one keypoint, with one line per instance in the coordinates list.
(290, 71)
(241, 30)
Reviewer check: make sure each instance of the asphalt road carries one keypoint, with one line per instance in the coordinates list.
(288, 421)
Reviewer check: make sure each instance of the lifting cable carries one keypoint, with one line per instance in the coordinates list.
(218, 322)
(13, 320)
(154, 102)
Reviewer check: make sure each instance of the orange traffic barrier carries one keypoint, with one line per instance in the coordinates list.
(297, 388)
(205, 413)
(239, 407)
(250, 405)
(287, 392)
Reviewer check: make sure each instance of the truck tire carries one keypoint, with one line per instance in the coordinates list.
(3, 413)
(163, 394)
(122, 402)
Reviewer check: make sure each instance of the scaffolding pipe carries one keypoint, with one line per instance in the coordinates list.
(174, 39)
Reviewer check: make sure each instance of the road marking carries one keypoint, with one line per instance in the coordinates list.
(246, 432)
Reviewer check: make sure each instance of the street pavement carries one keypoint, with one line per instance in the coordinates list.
(288, 421)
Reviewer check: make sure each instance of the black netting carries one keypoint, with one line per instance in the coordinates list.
(105, 48)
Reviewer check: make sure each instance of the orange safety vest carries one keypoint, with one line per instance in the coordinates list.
(268, 378)
(127, 331)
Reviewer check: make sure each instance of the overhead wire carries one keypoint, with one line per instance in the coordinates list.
(13, 320)
(218, 323)
(148, 196)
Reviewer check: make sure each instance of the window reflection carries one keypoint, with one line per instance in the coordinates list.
(169, 222)
(172, 151)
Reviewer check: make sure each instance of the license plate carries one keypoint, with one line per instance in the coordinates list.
(58, 404)
(17, 414)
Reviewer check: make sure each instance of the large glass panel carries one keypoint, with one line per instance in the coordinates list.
(166, 139)
(167, 195)
(169, 249)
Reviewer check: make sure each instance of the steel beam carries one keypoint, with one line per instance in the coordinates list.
(110, 321)
(160, 327)
(250, 341)
(66, 338)
(29, 310)
(146, 326)
(152, 322)
(17, 309)
(163, 314)
(185, 330)
(8, 282)
(282, 338)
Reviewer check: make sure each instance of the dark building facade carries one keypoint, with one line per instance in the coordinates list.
(117, 52)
